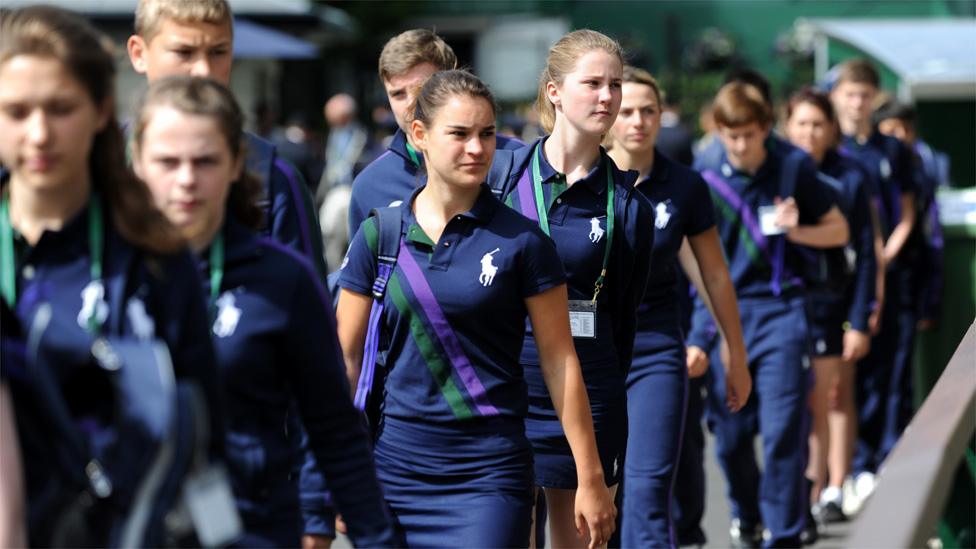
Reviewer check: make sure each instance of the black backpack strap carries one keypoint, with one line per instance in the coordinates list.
(500, 172)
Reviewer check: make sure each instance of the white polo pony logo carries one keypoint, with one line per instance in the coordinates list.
(228, 315)
(488, 270)
(93, 304)
(662, 214)
(596, 232)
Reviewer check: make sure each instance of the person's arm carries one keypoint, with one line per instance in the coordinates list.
(857, 339)
(310, 357)
(13, 524)
(830, 231)
(634, 268)
(549, 313)
(715, 286)
(899, 235)
(352, 318)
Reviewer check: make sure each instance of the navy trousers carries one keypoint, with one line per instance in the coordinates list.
(657, 387)
(776, 338)
(884, 377)
(689, 492)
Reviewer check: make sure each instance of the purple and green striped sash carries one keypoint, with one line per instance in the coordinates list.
(776, 258)
(437, 328)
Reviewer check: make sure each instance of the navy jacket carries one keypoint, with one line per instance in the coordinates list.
(581, 246)
(274, 333)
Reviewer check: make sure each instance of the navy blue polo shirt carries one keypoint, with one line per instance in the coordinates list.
(455, 311)
(889, 165)
(276, 344)
(146, 296)
(393, 177)
(577, 224)
(760, 266)
(682, 208)
(851, 182)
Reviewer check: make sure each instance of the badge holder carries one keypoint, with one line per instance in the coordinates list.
(767, 221)
(582, 318)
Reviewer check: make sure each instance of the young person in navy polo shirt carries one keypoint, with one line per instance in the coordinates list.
(406, 62)
(601, 228)
(176, 37)
(81, 238)
(767, 199)
(884, 388)
(657, 383)
(271, 320)
(841, 307)
(451, 452)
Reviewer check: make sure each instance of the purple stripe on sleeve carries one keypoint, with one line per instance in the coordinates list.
(445, 334)
(296, 195)
(526, 197)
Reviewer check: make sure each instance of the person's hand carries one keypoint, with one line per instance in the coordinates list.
(738, 381)
(697, 361)
(787, 213)
(314, 541)
(595, 513)
(874, 321)
(856, 345)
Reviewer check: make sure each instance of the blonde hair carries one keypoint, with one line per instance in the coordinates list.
(150, 14)
(413, 47)
(739, 104)
(562, 60)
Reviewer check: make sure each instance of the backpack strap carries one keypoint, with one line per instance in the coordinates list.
(389, 224)
(500, 172)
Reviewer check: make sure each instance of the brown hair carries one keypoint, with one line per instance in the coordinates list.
(634, 75)
(858, 71)
(819, 99)
(814, 97)
(205, 97)
(562, 60)
(739, 104)
(150, 14)
(59, 34)
(413, 47)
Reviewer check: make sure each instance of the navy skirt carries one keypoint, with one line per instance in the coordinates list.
(457, 486)
(607, 392)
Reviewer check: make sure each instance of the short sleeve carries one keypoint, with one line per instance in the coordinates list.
(903, 171)
(702, 215)
(542, 268)
(814, 198)
(358, 270)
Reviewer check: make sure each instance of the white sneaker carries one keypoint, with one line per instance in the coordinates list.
(864, 485)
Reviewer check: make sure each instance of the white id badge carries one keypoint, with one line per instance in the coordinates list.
(767, 221)
(208, 497)
(582, 318)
